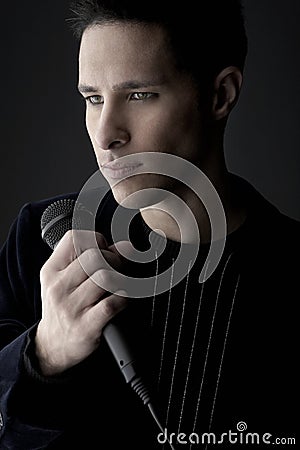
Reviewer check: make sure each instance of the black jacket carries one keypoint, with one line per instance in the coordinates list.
(90, 406)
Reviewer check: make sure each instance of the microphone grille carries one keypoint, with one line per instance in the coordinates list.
(57, 220)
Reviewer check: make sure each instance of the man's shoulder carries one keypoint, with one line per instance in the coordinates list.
(28, 220)
(278, 225)
(264, 215)
(289, 223)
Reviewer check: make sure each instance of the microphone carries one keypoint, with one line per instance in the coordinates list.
(56, 220)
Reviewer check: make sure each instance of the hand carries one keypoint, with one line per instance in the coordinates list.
(74, 307)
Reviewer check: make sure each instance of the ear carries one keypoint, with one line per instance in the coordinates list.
(226, 92)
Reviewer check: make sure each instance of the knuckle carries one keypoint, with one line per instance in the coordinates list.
(44, 273)
(56, 289)
(90, 259)
(92, 254)
(83, 240)
(103, 279)
(68, 236)
(108, 309)
(66, 242)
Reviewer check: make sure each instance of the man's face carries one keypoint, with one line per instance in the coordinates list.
(137, 102)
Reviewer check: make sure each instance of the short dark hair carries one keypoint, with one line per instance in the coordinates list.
(205, 35)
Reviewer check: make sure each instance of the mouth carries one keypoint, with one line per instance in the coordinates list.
(117, 170)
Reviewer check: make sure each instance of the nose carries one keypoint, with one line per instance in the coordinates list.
(111, 131)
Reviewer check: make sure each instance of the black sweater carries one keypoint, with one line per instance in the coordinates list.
(213, 354)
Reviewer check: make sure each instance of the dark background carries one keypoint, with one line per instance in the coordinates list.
(45, 149)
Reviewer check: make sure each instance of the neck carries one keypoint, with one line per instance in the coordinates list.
(162, 215)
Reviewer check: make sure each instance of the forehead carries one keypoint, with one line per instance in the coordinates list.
(117, 51)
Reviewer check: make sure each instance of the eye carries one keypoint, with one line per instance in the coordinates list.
(141, 95)
(94, 99)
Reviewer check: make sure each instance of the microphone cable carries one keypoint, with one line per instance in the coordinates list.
(142, 391)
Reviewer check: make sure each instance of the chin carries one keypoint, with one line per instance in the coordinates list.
(136, 195)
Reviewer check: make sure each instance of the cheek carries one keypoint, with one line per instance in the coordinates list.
(177, 132)
(91, 127)
(90, 124)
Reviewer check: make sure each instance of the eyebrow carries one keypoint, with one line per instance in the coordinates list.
(131, 84)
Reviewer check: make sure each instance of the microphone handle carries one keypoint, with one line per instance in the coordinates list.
(117, 342)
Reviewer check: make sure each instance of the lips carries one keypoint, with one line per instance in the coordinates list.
(116, 170)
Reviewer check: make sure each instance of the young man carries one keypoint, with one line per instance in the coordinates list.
(217, 354)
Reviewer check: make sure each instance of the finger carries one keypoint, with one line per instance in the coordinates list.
(72, 244)
(109, 280)
(86, 239)
(86, 296)
(85, 266)
(102, 312)
(95, 287)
